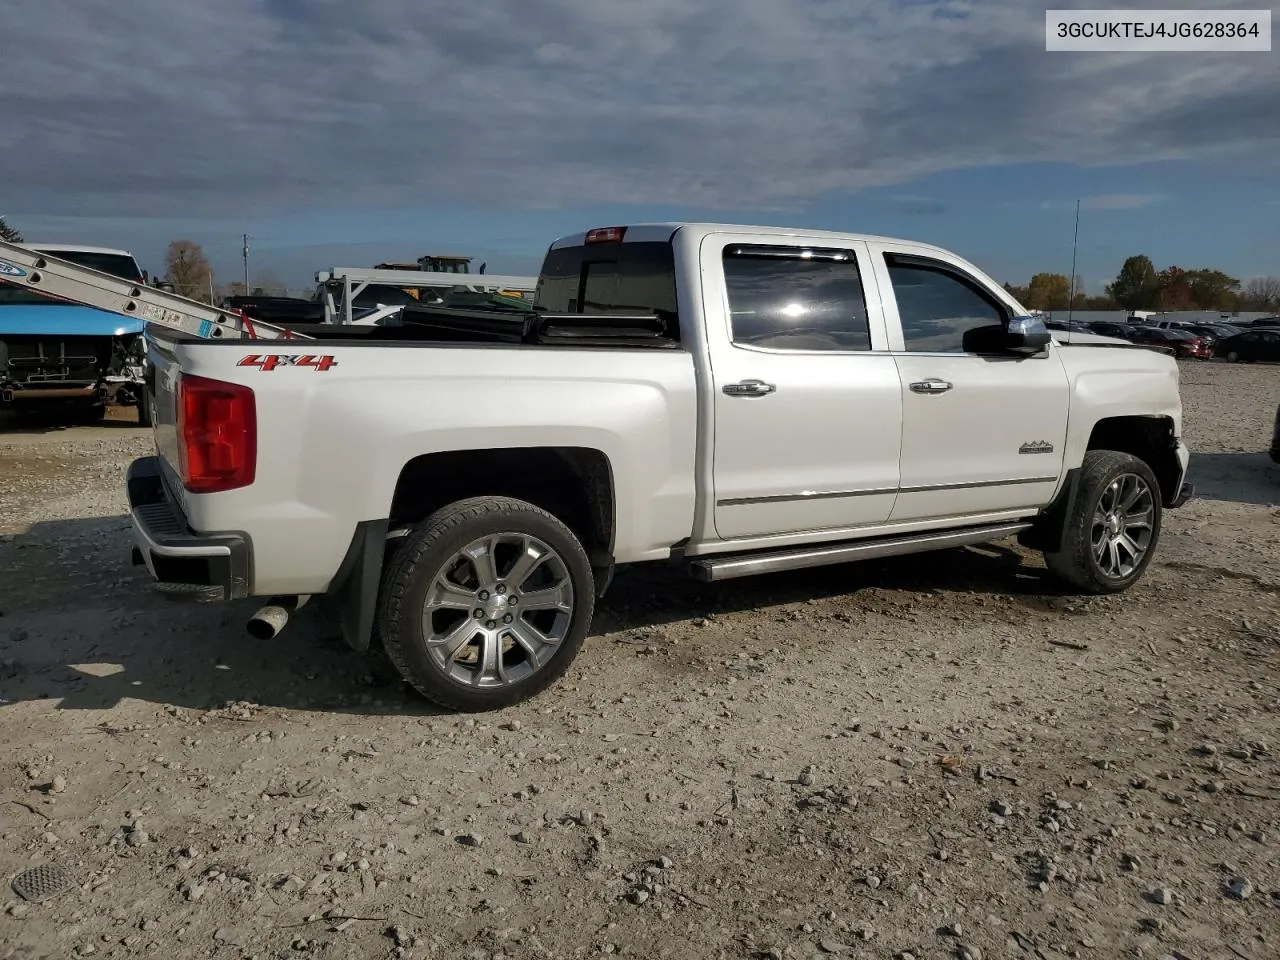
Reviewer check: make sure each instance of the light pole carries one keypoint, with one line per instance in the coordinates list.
(246, 264)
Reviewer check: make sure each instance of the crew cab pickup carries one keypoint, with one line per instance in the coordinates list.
(728, 399)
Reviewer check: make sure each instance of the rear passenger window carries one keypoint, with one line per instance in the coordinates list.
(795, 298)
(938, 308)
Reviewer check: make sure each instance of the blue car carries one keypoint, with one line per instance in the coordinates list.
(53, 352)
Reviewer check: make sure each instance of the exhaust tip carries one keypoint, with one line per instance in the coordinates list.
(272, 618)
(262, 627)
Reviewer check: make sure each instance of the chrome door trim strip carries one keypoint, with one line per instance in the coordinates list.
(877, 491)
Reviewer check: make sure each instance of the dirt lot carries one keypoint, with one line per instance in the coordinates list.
(937, 757)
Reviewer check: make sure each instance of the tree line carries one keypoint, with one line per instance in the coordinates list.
(1140, 286)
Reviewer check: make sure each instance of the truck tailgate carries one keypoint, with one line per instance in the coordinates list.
(162, 383)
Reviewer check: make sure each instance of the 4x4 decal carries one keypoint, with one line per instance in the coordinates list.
(269, 361)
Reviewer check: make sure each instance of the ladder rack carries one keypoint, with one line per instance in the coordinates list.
(352, 281)
(62, 280)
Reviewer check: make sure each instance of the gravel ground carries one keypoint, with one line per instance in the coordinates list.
(940, 756)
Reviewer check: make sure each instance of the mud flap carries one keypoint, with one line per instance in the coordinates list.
(353, 594)
(1046, 533)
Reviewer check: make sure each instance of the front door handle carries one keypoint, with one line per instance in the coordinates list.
(749, 388)
(932, 385)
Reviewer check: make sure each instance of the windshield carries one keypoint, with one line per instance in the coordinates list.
(116, 264)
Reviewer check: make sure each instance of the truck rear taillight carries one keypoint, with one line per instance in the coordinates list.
(217, 434)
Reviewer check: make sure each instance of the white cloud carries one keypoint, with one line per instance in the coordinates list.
(267, 106)
(1108, 201)
(1122, 201)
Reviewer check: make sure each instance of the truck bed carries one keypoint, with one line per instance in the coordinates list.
(344, 424)
(514, 327)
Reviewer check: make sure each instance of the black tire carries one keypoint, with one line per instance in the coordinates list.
(1077, 562)
(93, 413)
(425, 557)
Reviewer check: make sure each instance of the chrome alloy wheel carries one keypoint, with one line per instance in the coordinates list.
(1123, 525)
(497, 609)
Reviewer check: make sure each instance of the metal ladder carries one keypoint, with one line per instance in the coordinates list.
(63, 280)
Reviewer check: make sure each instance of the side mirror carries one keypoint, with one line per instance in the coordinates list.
(1026, 335)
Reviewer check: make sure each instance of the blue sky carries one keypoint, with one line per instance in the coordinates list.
(415, 127)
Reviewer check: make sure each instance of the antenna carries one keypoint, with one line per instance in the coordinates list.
(1071, 295)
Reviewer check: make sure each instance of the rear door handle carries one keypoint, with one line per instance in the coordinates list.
(932, 385)
(749, 388)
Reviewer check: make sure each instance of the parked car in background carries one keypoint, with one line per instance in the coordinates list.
(58, 353)
(1212, 331)
(1106, 328)
(1250, 346)
(1067, 328)
(1184, 345)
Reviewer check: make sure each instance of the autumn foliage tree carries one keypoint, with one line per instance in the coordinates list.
(8, 233)
(1048, 291)
(1175, 289)
(1137, 286)
(1212, 289)
(188, 270)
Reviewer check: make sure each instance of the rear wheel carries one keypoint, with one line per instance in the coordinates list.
(487, 603)
(1113, 528)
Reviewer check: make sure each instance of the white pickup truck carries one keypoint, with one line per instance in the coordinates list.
(731, 400)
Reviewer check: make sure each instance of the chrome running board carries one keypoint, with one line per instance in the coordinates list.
(732, 566)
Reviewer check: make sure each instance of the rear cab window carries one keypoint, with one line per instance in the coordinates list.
(611, 277)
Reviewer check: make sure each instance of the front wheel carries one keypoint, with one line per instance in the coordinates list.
(1113, 528)
(486, 604)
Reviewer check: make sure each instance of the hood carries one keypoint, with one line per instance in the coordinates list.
(1068, 337)
(65, 320)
